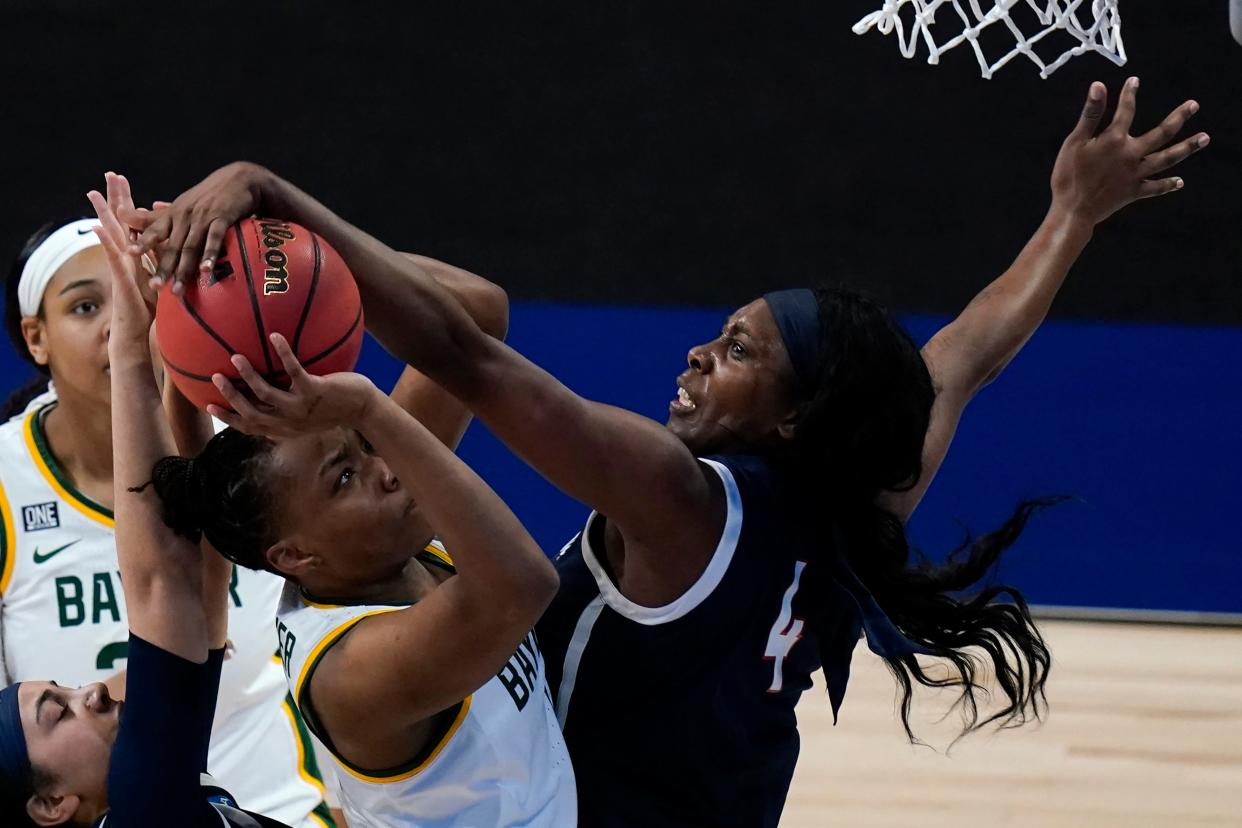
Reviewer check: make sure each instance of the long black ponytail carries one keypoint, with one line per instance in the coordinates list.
(866, 424)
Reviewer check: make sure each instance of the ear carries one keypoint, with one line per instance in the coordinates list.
(288, 558)
(787, 428)
(34, 331)
(50, 810)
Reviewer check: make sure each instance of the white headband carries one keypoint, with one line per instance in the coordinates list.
(48, 258)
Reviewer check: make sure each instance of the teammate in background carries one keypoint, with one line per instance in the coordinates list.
(69, 756)
(418, 671)
(703, 593)
(62, 608)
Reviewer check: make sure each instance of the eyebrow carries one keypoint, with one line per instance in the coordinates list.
(79, 283)
(43, 697)
(339, 457)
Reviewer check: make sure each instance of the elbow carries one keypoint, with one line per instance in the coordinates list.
(539, 587)
(988, 377)
(536, 590)
(514, 605)
(548, 583)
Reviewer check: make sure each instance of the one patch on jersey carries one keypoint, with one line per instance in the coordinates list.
(41, 516)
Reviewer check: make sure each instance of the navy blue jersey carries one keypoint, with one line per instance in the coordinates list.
(683, 715)
(157, 773)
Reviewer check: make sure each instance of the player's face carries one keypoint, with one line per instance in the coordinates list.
(72, 336)
(346, 506)
(69, 735)
(737, 390)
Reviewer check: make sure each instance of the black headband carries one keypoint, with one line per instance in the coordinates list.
(797, 318)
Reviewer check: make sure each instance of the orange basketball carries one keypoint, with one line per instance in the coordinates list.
(271, 277)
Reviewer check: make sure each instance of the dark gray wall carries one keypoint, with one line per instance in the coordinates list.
(691, 152)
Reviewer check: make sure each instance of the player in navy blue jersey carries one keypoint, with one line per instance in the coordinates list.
(76, 756)
(749, 541)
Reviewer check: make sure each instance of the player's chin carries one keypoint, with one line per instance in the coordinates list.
(678, 425)
(411, 521)
(689, 431)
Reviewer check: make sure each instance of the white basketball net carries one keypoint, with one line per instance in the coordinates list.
(1101, 34)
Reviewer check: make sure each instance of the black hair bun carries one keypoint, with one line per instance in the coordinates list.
(181, 484)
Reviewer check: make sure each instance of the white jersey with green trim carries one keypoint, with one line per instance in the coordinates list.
(501, 761)
(62, 617)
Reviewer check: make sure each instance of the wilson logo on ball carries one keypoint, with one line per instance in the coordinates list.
(276, 276)
(270, 276)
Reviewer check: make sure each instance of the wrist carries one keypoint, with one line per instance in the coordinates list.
(259, 182)
(1070, 221)
(128, 345)
(272, 193)
(137, 357)
(371, 404)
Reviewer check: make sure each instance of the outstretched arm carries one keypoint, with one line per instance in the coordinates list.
(487, 304)
(164, 575)
(1096, 174)
(624, 465)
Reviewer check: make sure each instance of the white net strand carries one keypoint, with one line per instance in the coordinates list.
(1102, 35)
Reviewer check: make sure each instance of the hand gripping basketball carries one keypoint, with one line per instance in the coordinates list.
(1099, 171)
(271, 277)
(310, 404)
(187, 236)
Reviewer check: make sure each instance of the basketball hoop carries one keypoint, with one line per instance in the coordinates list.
(1101, 33)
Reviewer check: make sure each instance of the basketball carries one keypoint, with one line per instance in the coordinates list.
(272, 276)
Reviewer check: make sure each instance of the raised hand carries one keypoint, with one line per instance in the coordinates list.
(1100, 171)
(310, 404)
(187, 235)
(132, 309)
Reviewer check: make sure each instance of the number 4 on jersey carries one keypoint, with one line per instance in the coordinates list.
(785, 633)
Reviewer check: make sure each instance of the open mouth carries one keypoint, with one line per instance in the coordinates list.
(682, 404)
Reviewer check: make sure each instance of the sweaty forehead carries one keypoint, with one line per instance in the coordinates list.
(757, 321)
(298, 457)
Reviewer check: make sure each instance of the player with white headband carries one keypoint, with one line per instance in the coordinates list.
(62, 608)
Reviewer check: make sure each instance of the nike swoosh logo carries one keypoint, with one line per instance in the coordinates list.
(44, 558)
(87, 230)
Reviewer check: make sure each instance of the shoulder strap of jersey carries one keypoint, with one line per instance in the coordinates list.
(435, 554)
(328, 625)
(324, 626)
(47, 466)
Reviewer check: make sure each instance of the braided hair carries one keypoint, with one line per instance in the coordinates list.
(221, 495)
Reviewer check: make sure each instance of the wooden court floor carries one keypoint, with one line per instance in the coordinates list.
(1145, 729)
